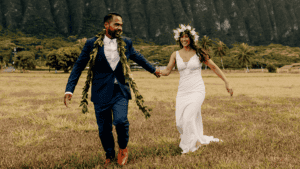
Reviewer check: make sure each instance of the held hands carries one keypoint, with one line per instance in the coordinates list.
(67, 96)
(157, 73)
(229, 89)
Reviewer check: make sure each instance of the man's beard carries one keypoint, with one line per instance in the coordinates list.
(114, 34)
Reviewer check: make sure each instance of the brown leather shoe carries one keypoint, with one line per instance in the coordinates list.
(123, 156)
(107, 163)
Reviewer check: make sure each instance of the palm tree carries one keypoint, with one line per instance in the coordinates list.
(244, 53)
(220, 50)
(205, 43)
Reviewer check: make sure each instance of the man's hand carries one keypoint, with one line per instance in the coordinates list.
(157, 73)
(67, 96)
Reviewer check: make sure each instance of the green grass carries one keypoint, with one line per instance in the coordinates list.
(259, 124)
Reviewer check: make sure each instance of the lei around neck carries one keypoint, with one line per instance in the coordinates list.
(126, 70)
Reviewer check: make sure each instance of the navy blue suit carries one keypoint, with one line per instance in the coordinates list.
(107, 96)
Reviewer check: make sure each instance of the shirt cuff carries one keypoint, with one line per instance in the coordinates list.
(69, 93)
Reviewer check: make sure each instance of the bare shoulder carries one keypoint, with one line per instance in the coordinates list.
(172, 61)
(173, 54)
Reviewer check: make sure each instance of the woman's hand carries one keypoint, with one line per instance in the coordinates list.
(229, 89)
(165, 72)
(157, 73)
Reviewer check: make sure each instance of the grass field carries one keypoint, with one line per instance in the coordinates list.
(259, 124)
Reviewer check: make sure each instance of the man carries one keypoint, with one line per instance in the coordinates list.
(110, 93)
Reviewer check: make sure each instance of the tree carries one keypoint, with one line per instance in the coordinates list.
(26, 42)
(271, 68)
(81, 43)
(24, 60)
(63, 58)
(243, 54)
(6, 48)
(220, 50)
(2, 65)
(40, 61)
(205, 43)
(55, 43)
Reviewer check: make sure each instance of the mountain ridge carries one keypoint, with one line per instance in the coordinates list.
(256, 22)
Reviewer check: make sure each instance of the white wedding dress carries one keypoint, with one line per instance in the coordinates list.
(190, 96)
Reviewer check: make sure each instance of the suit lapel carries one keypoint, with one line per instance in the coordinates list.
(101, 54)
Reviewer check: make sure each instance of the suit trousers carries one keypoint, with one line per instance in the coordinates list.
(118, 107)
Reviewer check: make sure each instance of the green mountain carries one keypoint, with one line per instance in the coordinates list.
(256, 22)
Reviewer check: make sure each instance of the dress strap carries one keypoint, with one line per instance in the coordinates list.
(178, 55)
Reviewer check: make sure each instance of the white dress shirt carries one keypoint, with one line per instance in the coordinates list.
(111, 53)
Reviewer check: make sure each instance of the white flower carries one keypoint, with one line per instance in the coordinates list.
(176, 37)
(182, 27)
(196, 37)
(178, 30)
(193, 32)
(188, 27)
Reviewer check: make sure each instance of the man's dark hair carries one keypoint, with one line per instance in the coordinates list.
(109, 17)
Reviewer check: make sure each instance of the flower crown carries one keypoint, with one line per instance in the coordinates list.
(182, 28)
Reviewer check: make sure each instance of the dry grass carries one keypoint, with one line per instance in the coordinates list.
(259, 124)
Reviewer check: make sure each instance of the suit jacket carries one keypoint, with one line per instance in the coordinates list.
(103, 80)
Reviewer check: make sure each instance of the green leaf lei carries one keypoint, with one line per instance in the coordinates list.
(126, 70)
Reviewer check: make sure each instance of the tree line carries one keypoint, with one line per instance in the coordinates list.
(26, 52)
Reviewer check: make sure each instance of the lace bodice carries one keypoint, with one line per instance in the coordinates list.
(186, 68)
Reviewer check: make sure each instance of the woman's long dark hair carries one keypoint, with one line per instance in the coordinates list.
(193, 45)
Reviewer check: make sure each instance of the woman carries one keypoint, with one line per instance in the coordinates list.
(191, 89)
